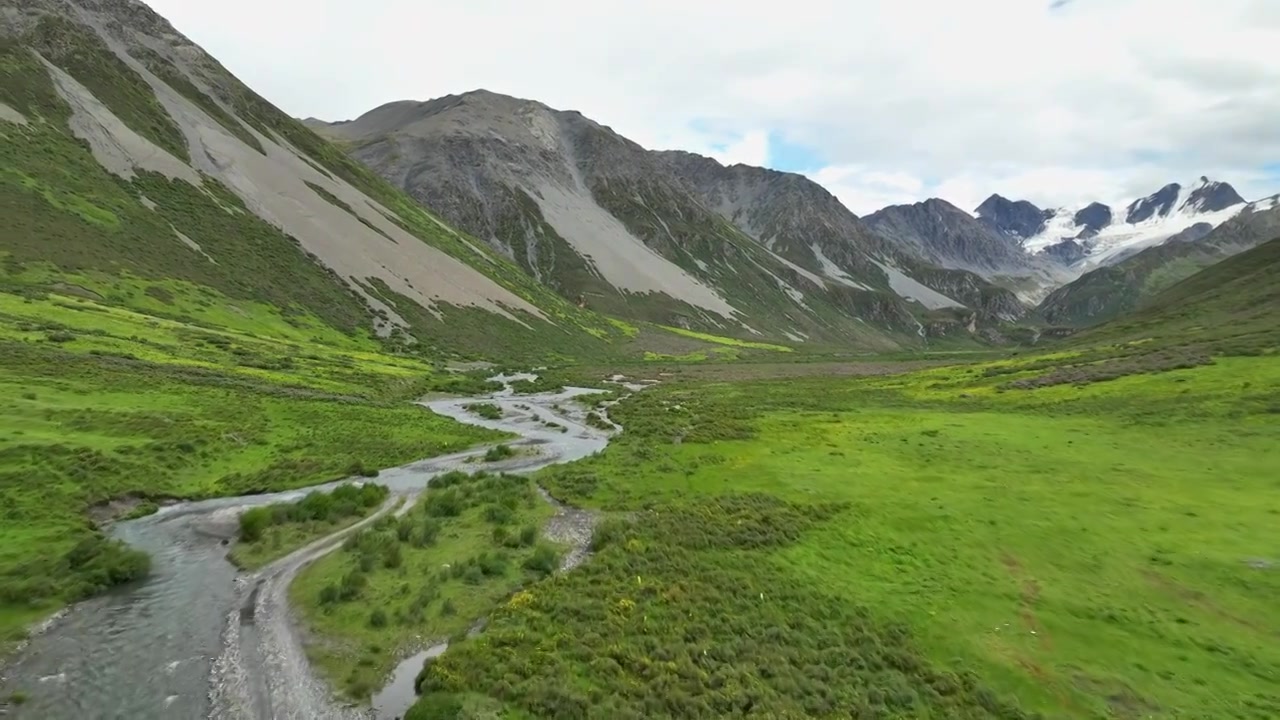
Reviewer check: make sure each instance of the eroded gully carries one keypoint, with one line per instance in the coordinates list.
(197, 640)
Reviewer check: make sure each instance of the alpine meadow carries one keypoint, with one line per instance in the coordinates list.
(474, 408)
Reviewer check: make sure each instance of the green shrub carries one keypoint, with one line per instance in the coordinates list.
(544, 560)
(498, 453)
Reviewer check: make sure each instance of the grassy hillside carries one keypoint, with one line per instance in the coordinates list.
(1231, 306)
(1114, 291)
(957, 542)
(68, 213)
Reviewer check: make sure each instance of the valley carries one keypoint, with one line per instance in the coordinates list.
(475, 408)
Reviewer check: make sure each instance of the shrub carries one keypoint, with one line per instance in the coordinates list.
(353, 583)
(392, 558)
(528, 535)
(436, 706)
(498, 453)
(544, 560)
(253, 522)
(488, 411)
(378, 618)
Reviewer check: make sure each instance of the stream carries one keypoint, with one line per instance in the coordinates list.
(197, 640)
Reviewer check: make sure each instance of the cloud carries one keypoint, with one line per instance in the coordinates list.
(750, 149)
(1091, 99)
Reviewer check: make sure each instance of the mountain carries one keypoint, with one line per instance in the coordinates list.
(1096, 234)
(1017, 219)
(133, 159)
(949, 237)
(1113, 290)
(805, 224)
(666, 237)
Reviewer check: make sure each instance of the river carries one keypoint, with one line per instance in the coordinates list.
(198, 640)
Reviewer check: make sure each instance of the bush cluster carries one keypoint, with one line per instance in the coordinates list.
(345, 501)
(683, 613)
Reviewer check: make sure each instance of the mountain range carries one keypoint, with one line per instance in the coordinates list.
(675, 237)
(474, 220)
(668, 237)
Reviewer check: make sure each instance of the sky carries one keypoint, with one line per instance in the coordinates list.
(1060, 102)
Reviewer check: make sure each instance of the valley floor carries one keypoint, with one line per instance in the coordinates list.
(937, 544)
(104, 409)
(1057, 536)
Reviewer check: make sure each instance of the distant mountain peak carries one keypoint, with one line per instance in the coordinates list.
(1211, 196)
(1015, 218)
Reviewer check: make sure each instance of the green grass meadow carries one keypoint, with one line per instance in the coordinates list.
(1101, 549)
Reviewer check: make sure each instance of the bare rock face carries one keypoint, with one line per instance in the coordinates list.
(1015, 218)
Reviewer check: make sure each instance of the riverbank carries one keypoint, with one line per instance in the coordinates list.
(120, 406)
(421, 578)
(150, 651)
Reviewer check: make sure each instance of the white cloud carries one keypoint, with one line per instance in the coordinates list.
(1099, 99)
(751, 149)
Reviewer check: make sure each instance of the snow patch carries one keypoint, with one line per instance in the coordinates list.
(912, 289)
(751, 330)
(10, 115)
(148, 203)
(618, 256)
(795, 336)
(1121, 239)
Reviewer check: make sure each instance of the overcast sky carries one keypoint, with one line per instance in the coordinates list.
(1059, 102)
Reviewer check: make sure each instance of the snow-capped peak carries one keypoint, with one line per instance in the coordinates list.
(1100, 235)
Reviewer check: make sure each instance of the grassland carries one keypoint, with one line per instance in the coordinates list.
(938, 544)
(731, 342)
(421, 578)
(102, 403)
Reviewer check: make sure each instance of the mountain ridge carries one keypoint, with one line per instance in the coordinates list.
(557, 192)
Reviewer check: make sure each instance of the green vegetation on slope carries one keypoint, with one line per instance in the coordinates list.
(68, 214)
(425, 576)
(732, 342)
(270, 532)
(924, 545)
(1230, 307)
(100, 403)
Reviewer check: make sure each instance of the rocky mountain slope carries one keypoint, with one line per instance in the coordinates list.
(947, 236)
(668, 237)
(1113, 290)
(132, 159)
